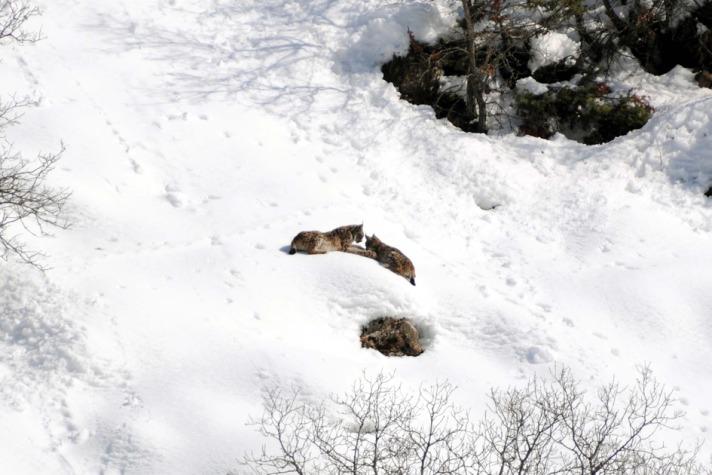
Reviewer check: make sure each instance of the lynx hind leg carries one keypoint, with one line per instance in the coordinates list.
(308, 242)
(307, 250)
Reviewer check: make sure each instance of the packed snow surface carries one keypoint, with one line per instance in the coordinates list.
(552, 47)
(202, 136)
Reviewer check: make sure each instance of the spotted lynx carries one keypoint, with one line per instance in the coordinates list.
(391, 258)
(339, 239)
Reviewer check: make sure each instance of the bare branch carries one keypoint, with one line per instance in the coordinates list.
(13, 16)
(543, 428)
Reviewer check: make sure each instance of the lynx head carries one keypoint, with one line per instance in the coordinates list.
(349, 233)
(372, 241)
(357, 233)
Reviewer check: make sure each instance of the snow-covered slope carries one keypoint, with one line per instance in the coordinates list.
(202, 136)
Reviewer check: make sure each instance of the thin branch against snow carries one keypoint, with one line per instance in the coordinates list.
(544, 427)
(13, 15)
(26, 200)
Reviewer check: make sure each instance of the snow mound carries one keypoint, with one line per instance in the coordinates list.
(37, 342)
(552, 47)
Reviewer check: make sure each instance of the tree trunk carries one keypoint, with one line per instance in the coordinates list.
(619, 24)
(476, 105)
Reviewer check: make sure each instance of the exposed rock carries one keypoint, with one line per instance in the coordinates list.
(708, 193)
(392, 337)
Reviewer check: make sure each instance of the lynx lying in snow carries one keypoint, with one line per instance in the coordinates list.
(339, 239)
(391, 258)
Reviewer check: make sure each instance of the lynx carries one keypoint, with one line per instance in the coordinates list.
(339, 239)
(391, 258)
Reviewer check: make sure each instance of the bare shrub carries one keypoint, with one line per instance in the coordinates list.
(27, 203)
(25, 199)
(545, 427)
(586, 113)
(616, 432)
(374, 428)
(497, 34)
(517, 434)
(13, 15)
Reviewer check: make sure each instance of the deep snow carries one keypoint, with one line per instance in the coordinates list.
(201, 136)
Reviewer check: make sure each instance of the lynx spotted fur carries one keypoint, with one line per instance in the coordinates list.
(391, 258)
(316, 242)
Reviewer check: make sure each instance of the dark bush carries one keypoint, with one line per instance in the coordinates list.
(514, 64)
(453, 108)
(416, 75)
(618, 117)
(417, 78)
(538, 114)
(585, 113)
(452, 56)
(563, 70)
(658, 38)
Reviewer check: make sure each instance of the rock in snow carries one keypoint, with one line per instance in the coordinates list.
(392, 337)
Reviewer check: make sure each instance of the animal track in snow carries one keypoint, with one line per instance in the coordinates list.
(174, 196)
(136, 167)
(27, 71)
(538, 355)
(44, 353)
(182, 116)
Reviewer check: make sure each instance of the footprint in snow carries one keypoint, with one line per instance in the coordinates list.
(538, 355)
(174, 200)
(183, 116)
(174, 196)
(136, 167)
(411, 234)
